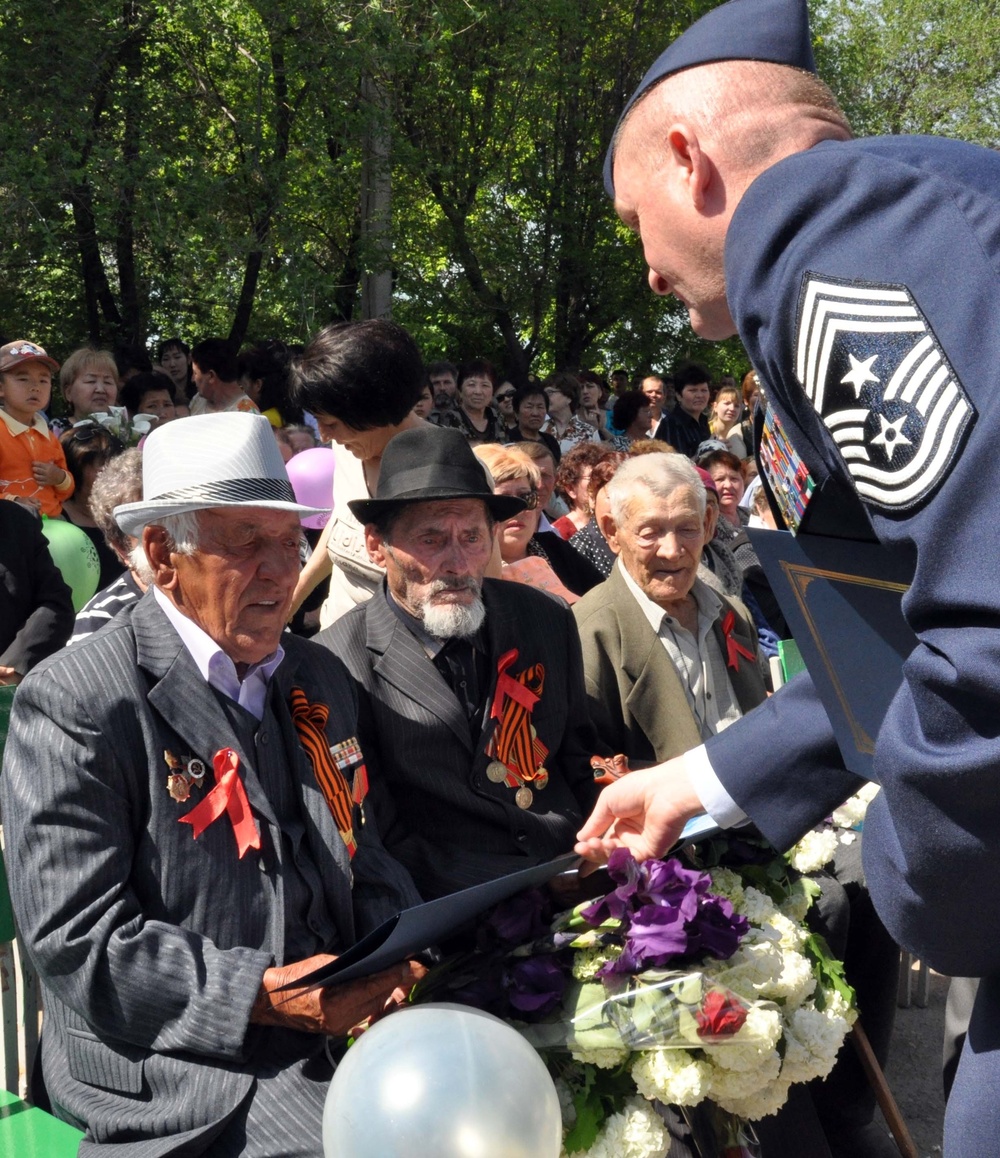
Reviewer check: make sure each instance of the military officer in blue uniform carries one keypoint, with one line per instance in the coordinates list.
(863, 277)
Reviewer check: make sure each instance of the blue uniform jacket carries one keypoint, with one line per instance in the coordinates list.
(864, 278)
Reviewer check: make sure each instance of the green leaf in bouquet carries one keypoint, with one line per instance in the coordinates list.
(599, 1094)
(829, 971)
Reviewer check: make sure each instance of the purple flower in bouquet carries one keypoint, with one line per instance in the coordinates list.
(519, 919)
(717, 929)
(656, 935)
(656, 882)
(536, 985)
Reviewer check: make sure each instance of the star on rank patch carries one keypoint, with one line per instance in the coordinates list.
(870, 364)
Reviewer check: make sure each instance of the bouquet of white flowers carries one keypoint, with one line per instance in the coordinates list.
(116, 420)
(697, 989)
(819, 846)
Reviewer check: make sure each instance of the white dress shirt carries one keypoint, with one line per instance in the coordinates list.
(216, 668)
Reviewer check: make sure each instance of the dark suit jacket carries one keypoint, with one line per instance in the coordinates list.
(36, 607)
(151, 945)
(635, 697)
(437, 811)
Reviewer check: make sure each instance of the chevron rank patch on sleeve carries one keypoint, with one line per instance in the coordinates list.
(874, 371)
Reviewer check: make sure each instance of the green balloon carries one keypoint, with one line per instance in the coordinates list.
(75, 556)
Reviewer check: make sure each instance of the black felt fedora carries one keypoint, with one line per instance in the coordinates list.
(429, 464)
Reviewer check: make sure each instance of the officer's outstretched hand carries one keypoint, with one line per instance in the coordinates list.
(644, 812)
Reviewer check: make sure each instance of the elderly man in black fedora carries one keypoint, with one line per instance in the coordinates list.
(472, 713)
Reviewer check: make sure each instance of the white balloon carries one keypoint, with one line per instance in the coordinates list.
(441, 1080)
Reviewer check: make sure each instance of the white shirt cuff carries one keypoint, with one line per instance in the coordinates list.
(716, 801)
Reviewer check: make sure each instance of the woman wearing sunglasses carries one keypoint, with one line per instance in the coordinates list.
(540, 560)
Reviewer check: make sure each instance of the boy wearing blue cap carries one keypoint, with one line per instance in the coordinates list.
(828, 256)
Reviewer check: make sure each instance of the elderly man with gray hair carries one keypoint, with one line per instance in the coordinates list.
(184, 805)
(668, 661)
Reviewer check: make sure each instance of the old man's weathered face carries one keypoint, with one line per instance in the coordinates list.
(238, 585)
(659, 542)
(435, 558)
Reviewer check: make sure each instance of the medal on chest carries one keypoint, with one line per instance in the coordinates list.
(517, 756)
(185, 773)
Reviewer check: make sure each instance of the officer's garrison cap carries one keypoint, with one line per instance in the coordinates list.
(770, 30)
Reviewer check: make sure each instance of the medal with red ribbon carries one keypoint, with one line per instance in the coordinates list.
(230, 797)
(734, 648)
(518, 756)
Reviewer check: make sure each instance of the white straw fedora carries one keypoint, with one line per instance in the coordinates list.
(215, 460)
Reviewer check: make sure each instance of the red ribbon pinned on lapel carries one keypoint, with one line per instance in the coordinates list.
(733, 646)
(227, 796)
(508, 686)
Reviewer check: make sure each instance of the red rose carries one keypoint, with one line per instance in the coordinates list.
(720, 1016)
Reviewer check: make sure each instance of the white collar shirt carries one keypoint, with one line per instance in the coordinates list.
(697, 659)
(216, 668)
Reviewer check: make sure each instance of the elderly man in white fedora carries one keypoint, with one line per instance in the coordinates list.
(183, 803)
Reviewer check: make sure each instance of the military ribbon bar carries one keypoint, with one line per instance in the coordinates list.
(734, 648)
(329, 764)
(230, 797)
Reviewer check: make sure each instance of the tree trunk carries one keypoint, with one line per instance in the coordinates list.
(376, 205)
(97, 290)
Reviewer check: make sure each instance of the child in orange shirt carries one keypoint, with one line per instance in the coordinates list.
(32, 463)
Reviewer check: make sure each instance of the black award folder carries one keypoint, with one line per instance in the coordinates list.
(413, 930)
(842, 599)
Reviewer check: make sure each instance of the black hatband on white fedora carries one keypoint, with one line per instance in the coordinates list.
(214, 460)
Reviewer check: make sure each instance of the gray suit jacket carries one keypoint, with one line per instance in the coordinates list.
(635, 696)
(437, 810)
(150, 944)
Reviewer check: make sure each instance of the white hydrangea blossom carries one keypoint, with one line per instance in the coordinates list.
(764, 1101)
(838, 1006)
(812, 1042)
(852, 811)
(814, 850)
(634, 1132)
(604, 1059)
(797, 982)
(730, 1085)
(756, 906)
(728, 884)
(746, 1050)
(673, 1076)
(755, 966)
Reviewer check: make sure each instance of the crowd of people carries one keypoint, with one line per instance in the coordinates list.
(548, 536)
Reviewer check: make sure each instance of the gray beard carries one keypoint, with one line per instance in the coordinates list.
(453, 620)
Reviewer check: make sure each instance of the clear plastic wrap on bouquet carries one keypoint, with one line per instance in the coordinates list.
(657, 1009)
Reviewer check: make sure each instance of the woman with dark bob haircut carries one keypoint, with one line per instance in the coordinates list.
(360, 380)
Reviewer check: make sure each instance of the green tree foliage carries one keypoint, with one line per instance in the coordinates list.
(196, 167)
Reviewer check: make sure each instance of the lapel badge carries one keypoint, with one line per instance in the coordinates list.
(185, 772)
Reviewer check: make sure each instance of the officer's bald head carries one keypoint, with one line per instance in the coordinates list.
(751, 113)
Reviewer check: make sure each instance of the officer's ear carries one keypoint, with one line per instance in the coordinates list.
(692, 167)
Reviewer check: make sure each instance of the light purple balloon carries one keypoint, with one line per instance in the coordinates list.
(311, 474)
